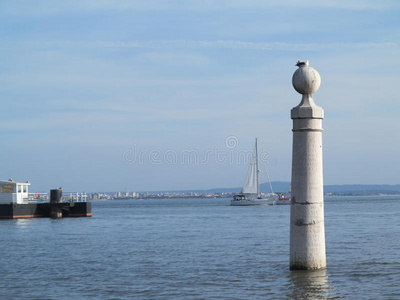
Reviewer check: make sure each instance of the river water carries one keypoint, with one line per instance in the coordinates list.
(200, 249)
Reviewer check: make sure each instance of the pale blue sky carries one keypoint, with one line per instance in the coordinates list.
(85, 82)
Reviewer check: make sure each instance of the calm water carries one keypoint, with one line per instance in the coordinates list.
(200, 249)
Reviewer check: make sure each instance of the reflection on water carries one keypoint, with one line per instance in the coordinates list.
(23, 223)
(27, 224)
(309, 285)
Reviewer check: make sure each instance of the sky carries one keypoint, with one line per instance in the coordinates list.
(101, 95)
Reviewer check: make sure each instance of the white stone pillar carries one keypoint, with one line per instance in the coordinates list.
(307, 230)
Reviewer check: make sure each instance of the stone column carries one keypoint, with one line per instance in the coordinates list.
(307, 230)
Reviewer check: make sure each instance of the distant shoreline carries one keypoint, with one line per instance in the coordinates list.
(279, 187)
(217, 196)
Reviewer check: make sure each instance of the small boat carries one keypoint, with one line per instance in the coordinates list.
(285, 199)
(250, 194)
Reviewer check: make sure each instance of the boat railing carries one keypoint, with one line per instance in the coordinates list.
(25, 198)
(66, 197)
(37, 198)
(74, 197)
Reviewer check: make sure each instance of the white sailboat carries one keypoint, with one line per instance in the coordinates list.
(250, 194)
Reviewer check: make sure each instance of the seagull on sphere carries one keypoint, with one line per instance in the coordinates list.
(302, 63)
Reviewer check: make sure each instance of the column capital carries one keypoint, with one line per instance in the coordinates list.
(307, 109)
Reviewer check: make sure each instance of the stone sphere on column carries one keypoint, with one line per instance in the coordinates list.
(306, 80)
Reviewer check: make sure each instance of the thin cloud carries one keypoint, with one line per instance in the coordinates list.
(180, 44)
(50, 7)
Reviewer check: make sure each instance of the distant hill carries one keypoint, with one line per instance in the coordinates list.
(356, 189)
(359, 189)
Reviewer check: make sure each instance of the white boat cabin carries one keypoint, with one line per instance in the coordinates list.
(14, 192)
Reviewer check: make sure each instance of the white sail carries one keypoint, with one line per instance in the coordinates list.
(251, 186)
(251, 183)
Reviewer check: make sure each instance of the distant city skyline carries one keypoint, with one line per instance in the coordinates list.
(89, 86)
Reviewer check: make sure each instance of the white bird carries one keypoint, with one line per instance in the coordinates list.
(302, 63)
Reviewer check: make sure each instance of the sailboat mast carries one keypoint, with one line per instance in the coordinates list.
(258, 171)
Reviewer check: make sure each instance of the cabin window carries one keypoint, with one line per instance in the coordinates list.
(19, 189)
(24, 188)
(7, 188)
